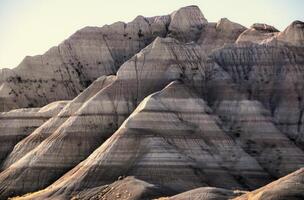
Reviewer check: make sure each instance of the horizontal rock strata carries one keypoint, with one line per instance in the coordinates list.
(181, 150)
(178, 103)
(50, 126)
(17, 124)
(64, 71)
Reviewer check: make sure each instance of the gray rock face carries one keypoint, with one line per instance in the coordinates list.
(187, 24)
(271, 74)
(293, 34)
(64, 71)
(101, 115)
(50, 126)
(205, 100)
(17, 124)
(258, 33)
(174, 155)
(216, 35)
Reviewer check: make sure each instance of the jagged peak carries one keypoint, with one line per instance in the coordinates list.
(224, 24)
(140, 20)
(186, 23)
(188, 10)
(190, 14)
(148, 102)
(293, 34)
(161, 40)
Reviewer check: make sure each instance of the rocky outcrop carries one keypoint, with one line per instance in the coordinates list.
(187, 24)
(271, 74)
(217, 101)
(293, 34)
(288, 187)
(67, 69)
(50, 126)
(182, 150)
(251, 126)
(102, 114)
(258, 33)
(216, 35)
(17, 124)
(64, 71)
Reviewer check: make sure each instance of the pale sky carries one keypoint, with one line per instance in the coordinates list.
(31, 27)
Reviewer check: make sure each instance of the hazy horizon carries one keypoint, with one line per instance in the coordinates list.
(31, 27)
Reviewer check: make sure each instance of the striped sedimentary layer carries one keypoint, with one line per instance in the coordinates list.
(17, 124)
(48, 127)
(172, 140)
(67, 69)
(234, 111)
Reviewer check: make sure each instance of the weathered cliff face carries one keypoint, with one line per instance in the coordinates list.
(233, 110)
(257, 33)
(293, 34)
(64, 71)
(185, 151)
(67, 69)
(187, 24)
(17, 124)
(215, 35)
(273, 75)
(102, 114)
(50, 126)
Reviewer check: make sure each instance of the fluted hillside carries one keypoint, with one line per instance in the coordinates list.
(169, 107)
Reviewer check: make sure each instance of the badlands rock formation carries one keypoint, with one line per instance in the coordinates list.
(46, 129)
(257, 33)
(215, 35)
(294, 34)
(186, 24)
(185, 151)
(64, 71)
(17, 124)
(289, 187)
(176, 103)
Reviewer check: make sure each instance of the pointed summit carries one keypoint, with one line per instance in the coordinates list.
(187, 23)
(293, 34)
(225, 24)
